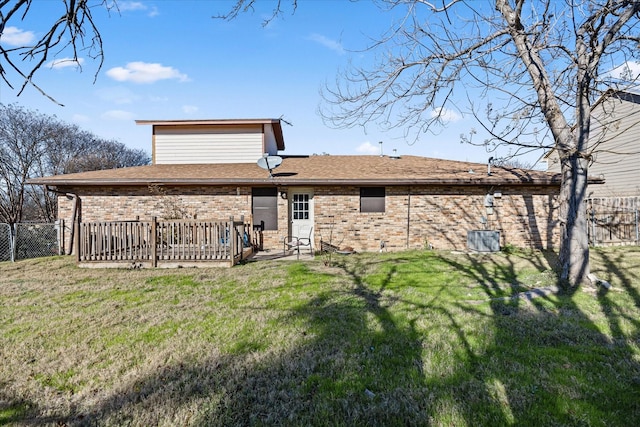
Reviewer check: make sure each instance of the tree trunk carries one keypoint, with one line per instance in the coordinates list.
(574, 241)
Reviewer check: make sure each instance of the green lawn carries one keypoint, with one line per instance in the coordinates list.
(410, 338)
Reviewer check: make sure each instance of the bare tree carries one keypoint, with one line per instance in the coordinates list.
(21, 146)
(244, 6)
(34, 145)
(540, 63)
(106, 154)
(72, 31)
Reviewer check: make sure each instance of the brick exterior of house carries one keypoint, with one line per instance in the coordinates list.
(414, 217)
(200, 171)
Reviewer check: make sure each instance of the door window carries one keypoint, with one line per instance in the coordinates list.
(300, 206)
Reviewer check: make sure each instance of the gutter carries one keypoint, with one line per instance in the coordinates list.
(305, 182)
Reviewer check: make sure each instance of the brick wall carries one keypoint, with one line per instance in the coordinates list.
(414, 217)
(437, 217)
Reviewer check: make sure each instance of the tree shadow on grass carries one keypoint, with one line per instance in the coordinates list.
(551, 360)
(389, 346)
(355, 363)
(610, 270)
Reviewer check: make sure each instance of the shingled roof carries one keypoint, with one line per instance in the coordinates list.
(313, 170)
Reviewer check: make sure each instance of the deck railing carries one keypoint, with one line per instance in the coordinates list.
(169, 242)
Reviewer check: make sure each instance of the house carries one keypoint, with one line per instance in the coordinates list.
(614, 145)
(207, 169)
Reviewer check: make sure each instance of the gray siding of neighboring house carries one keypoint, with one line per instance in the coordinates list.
(615, 143)
(615, 146)
(553, 162)
(210, 144)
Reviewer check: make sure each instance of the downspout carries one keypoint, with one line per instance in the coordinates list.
(74, 215)
(408, 214)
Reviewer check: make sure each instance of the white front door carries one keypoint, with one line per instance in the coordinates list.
(301, 213)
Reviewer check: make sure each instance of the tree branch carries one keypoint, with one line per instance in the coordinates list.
(75, 29)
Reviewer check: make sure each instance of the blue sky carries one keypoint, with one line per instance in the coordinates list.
(169, 59)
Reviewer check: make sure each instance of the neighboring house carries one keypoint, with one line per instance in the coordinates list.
(614, 145)
(206, 169)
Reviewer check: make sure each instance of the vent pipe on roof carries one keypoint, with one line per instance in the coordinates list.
(381, 155)
(489, 166)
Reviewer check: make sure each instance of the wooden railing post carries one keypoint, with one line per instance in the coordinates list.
(231, 238)
(154, 241)
(76, 237)
(241, 237)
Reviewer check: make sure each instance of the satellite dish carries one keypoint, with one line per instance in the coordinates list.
(269, 162)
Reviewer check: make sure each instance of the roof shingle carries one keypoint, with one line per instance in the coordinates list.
(313, 170)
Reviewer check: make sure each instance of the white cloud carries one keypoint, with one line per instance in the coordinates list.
(328, 43)
(65, 63)
(368, 148)
(118, 95)
(626, 71)
(14, 36)
(189, 109)
(118, 115)
(446, 115)
(143, 72)
(131, 5)
(125, 6)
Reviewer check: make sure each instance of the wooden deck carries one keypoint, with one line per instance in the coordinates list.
(174, 243)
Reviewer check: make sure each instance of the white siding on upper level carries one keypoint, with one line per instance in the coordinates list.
(208, 144)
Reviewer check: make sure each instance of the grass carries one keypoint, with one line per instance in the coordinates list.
(411, 338)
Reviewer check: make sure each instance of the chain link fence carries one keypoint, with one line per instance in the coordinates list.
(29, 240)
(6, 243)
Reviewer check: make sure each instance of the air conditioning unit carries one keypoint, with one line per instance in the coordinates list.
(483, 240)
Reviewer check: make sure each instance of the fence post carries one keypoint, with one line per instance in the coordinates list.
(12, 241)
(593, 226)
(154, 241)
(60, 235)
(637, 229)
